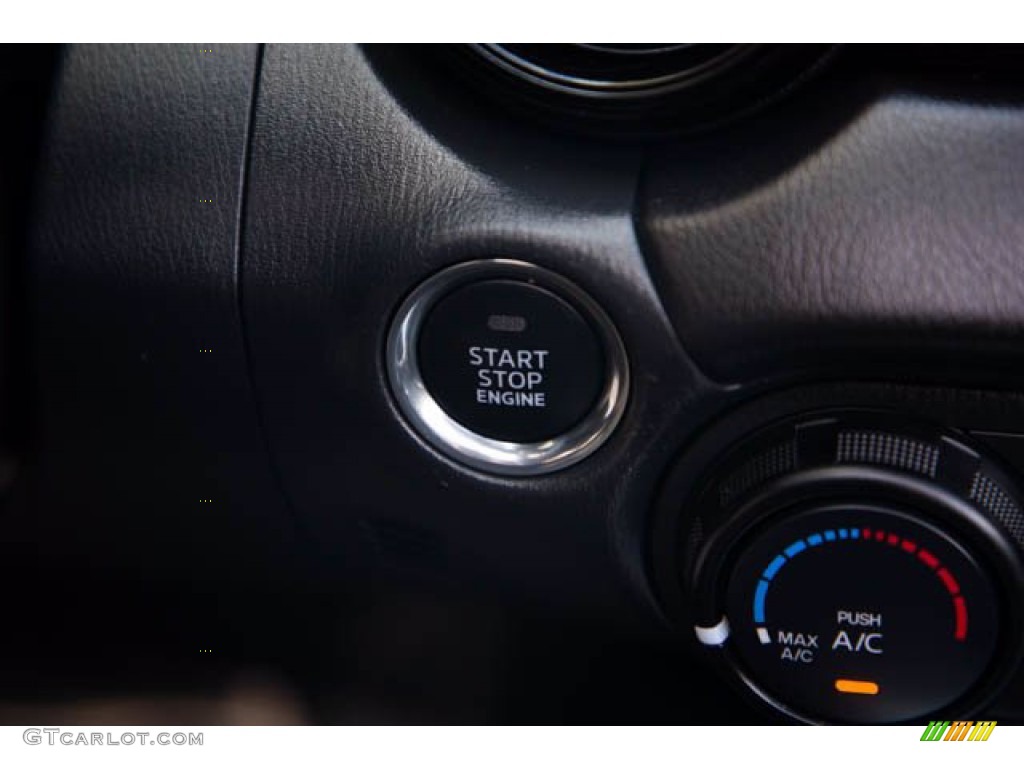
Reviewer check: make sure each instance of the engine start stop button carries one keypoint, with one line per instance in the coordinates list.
(507, 367)
(511, 360)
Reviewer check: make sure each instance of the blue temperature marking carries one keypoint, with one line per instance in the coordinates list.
(795, 548)
(759, 597)
(773, 568)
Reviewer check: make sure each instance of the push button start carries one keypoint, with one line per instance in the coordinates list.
(511, 361)
(507, 367)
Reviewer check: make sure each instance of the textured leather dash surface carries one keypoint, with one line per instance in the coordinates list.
(894, 245)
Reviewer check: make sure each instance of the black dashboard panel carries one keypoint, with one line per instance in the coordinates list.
(221, 240)
(891, 246)
(334, 243)
(141, 397)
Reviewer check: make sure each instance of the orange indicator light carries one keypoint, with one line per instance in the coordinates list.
(865, 687)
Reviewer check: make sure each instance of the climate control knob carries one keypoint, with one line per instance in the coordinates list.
(858, 570)
(857, 612)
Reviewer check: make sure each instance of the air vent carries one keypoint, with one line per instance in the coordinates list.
(609, 71)
(632, 90)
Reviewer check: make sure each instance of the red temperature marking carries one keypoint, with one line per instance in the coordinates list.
(961, 618)
(928, 558)
(949, 581)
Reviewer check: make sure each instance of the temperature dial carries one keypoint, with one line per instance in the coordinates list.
(861, 614)
(855, 568)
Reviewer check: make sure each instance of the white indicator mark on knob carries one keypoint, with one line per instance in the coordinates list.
(763, 636)
(716, 635)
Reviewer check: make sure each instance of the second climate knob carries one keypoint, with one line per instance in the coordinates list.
(854, 567)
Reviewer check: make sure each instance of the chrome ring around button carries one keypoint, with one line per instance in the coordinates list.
(478, 451)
